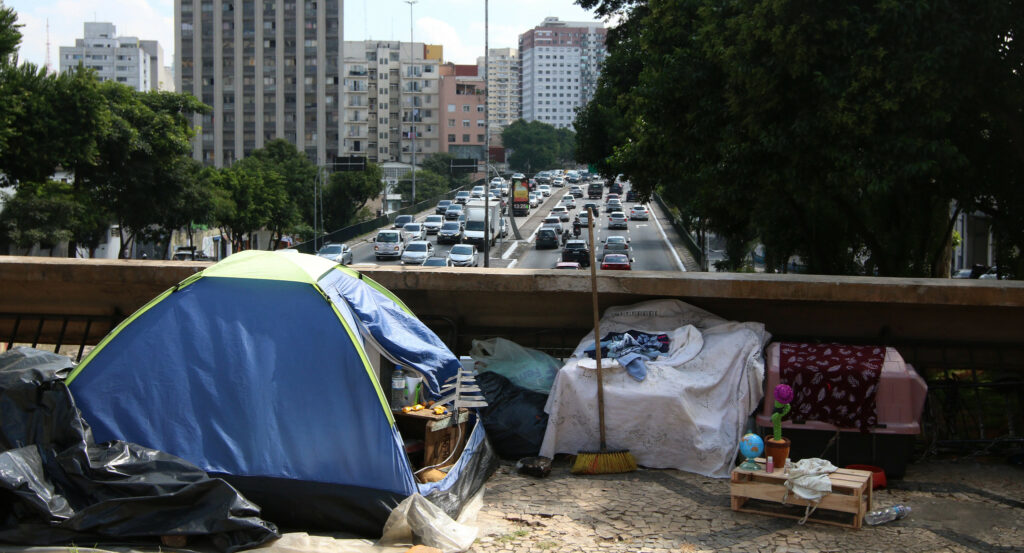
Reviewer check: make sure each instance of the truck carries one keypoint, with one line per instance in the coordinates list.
(595, 190)
(476, 213)
(520, 197)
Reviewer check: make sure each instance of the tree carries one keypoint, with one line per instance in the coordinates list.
(428, 185)
(537, 146)
(10, 37)
(347, 192)
(298, 176)
(440, 163)
(50, 213)
(848, 134)
(135, 172)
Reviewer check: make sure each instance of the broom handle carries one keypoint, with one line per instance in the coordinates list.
(597, 327)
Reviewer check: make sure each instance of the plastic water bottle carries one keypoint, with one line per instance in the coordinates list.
(397, 388)
(888, 514)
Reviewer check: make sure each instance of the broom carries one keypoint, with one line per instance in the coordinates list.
(602, 461)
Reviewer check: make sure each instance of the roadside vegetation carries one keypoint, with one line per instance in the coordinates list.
(851, 135)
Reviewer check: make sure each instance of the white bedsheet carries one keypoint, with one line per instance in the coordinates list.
(688, 414)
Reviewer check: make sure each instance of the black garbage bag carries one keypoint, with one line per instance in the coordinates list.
(514, 417)
(58, 486)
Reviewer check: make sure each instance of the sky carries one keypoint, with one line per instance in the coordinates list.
(458, 25)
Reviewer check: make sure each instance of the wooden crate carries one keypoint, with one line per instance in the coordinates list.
(441, 434)
(760, 492)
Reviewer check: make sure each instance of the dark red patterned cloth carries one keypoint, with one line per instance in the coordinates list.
(833, 383)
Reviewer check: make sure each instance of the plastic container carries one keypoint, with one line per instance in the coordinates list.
(397, 389)
(888, 514)
(877, 475)
(898, 403)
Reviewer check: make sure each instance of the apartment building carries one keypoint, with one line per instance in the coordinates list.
(268, 68)
(463, 117)
(504, 91)
(123, 59)
(561, 62)
(390, 89)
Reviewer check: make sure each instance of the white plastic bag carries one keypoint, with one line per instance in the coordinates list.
(417, 517)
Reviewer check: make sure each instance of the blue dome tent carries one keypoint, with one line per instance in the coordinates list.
(256, 370)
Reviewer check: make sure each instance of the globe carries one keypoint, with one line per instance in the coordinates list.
(751, 446)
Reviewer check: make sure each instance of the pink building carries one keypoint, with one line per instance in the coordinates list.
(462, 106)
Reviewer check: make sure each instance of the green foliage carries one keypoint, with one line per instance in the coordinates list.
(292, 176)
(537, 146)
(428, 185)
(137, 174)
(347, 192)
(440, 163)
(839, 132)
(50, 213)
(10, 36)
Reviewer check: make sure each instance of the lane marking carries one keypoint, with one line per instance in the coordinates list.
(671, 248)
(508, 253)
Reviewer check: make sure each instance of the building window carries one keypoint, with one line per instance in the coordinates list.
(451, 108)
(465, 108)
(465, 123)
(451, 122)
(479, 138)
(480, 108)
(465, 138)
(451, 138)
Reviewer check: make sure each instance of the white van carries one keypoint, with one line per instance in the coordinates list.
(388, 243)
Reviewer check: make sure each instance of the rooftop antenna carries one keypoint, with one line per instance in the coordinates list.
(48, 67)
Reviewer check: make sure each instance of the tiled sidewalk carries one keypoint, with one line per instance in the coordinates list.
(958, 506)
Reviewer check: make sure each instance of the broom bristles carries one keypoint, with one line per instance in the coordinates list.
(604, 462)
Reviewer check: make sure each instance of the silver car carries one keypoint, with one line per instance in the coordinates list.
(414, 231)
(338, 253)
(463, 255)
(417, 252)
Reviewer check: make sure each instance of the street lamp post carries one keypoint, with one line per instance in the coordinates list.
(487, 122)
(412, 107)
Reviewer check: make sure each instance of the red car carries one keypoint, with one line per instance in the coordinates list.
(616, 262)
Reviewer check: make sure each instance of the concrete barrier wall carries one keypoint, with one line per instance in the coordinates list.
(552, 309)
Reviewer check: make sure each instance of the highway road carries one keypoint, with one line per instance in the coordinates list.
(651, 250)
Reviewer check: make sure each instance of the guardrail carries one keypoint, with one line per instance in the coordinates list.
(359, 229)
(677, 223)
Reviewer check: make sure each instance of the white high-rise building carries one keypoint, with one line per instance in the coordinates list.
(123, 59)
(503, 97)
(389, 87)
(268, 68)
(561, 62)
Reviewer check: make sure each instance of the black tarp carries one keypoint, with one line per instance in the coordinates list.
(58, 486)
(514, 417)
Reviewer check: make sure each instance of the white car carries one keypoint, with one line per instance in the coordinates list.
(463, 255)
(639, 213)
(433, 223)
(417, 252)
(561, 212)
(478, 192)
(414, 231)
(568, 201)
(534, 199)
(558, 181)
(388, 243)
(545, 190)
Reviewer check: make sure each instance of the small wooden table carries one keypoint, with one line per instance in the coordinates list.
(851, 495)
(440, 433)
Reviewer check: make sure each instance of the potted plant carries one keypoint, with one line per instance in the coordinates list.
(776, 446)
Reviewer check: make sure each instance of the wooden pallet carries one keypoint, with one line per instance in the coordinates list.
(851, 496)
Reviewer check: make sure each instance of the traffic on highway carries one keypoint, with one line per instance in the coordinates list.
(553, 225)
